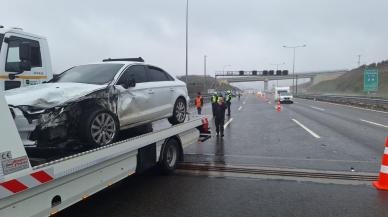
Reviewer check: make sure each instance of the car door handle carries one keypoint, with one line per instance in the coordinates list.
(172, 89)
(150, 92)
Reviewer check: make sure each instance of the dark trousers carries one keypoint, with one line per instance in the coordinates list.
(228, 105)
(219, 125)
(199, 109)
(214, 108)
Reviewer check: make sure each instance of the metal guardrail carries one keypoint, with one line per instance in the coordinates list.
(371, 102)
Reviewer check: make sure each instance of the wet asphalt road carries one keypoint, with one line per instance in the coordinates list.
(260, 136)
(177, 195)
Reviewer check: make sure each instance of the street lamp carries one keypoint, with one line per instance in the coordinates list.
(204, 73)
(187, 40)
(293, 64)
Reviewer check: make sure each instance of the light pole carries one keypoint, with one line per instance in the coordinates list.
(204, 73)
(277, 68)
(293, 64)
(187, 40)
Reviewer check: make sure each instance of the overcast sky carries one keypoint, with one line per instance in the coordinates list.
(246, 34)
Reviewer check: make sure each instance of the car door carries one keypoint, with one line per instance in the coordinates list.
(134, 103)
(162, 92)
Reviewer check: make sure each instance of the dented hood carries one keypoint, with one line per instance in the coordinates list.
(50, 94)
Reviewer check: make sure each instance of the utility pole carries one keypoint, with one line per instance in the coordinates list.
(187, 40)
(204, 73)
(359, 60)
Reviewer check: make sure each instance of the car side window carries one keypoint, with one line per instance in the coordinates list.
(157, 74)
(12, 62)
(137, 72)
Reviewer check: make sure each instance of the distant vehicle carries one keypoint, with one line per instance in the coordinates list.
(283, 95)
(17, 71)
(93, 102)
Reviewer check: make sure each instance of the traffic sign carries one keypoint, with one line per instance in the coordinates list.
(371, 80)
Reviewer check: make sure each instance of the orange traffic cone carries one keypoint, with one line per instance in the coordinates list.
(279, 109)
(382, 183)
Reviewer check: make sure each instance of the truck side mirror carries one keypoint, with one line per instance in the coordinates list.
(25, 56)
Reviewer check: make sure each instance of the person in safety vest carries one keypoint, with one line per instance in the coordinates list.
(214, 99)
(199, 103)
(228, 100)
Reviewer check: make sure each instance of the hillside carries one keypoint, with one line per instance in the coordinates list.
(196, 84)
(351, 83)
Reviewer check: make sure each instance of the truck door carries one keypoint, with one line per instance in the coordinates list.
(12, 61)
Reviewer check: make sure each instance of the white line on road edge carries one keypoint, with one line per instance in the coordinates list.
(317, 108)
(239, 108)
(227, 123)
(374, 123)
(307, 129)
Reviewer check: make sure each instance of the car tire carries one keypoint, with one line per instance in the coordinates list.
(99, 127)
(179, 112)
(169, 157)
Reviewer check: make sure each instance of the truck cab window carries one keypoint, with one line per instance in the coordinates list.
(12, 63)
(1, 40)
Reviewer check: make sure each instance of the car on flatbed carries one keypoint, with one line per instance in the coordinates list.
(91, 103)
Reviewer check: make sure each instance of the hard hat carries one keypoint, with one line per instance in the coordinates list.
(229, 91)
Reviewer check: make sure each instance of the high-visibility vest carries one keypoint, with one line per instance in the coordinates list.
(198, 101)
(214, 99)
(228, 97)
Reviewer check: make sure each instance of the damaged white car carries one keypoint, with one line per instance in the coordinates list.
(92, 103)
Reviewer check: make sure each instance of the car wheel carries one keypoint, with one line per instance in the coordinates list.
(179, 112)
(169, 157)
(99, 127)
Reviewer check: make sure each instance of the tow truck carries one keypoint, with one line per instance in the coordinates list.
(30, 187)
(36, 182)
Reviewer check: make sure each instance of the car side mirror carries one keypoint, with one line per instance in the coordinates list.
(131, 83)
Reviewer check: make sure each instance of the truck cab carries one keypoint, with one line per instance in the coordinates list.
(24, 59)
(283, 95)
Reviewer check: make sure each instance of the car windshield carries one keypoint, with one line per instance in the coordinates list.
(90, 74)
(1, 40)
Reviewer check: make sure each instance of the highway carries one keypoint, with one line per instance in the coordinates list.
(305, 137)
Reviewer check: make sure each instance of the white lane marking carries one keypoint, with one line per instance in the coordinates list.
(307, 129)
(365, 109)
(244, 102)
(239, 108)
(317, 108)
(374, 123)
(227, 123)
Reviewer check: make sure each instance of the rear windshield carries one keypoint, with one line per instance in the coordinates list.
(90, 74)
(1, 40)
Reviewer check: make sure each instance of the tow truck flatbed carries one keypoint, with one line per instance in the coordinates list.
(46, 187)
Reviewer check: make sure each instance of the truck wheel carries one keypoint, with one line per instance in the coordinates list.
(169, 157)
(179, 112)
(99, 127)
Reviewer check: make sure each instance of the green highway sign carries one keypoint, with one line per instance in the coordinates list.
(371, 80)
